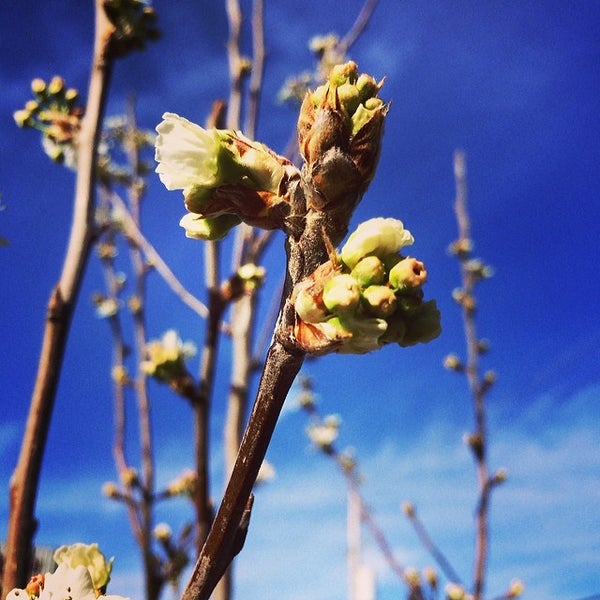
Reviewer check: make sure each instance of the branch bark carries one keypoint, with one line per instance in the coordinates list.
(25, 479)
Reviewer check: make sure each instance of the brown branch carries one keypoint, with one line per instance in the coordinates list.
(479, 439)
(236, 72)
(258, 63)
(137, 237)
(24, 482)
(358, 27)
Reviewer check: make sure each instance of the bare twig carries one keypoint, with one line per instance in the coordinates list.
(358, 27)
(24, 482)
(258, 60)
(134, 233)
(478, 441)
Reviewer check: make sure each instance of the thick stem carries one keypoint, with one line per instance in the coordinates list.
(25, 479)
(226, 537)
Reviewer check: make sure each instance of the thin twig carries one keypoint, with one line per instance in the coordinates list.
(137, 237)
(258, 60)
(234, 106)
(25, 479)
(358, 27)
(472, 372)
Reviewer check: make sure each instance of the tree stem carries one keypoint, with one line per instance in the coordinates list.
(25, 479)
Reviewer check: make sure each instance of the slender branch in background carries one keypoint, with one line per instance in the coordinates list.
(472, 271)
(323, 434)
(236, 68)
(256, 73)
(154, 581)
(358, 27)
(25, 479)
(133, 232)
(425, 539)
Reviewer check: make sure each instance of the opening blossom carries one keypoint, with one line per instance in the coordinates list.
(225, 177)
(82, 574)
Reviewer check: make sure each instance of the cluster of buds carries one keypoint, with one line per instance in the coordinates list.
(82, 574)
(134, 23)
(184, 484)
(54, 112)
(245, 281)
(367, 296)
(166, 357)
(339, 133)
(226, 178)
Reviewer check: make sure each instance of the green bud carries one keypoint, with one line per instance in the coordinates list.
(309, 308)
(210, 228)
(343, 73)
(22, 117)
(369, 271)
(379, 300)
(56, 85)
(408, 274)
(38, 86)
(341, 294)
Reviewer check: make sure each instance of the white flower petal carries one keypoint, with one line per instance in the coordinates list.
(186, 153)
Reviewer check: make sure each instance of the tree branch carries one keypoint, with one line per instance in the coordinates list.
(25, 479)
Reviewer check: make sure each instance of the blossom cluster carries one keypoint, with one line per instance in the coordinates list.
(166, 357)
(82, 574)
(54, 111)
(367, 296)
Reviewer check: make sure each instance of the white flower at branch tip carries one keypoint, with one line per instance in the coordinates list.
(66, 583)
(88, 556)
(187, 154)
(375, 237)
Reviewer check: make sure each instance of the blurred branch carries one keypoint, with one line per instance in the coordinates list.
(24, 482)
(472, 272)
(137, 237)
(358, 27)
(258, 60)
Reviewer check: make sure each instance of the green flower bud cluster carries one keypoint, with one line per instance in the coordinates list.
(54, 112)
(339, 134)
(166, 357)
(370, 297)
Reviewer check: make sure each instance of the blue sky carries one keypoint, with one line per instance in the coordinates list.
(515, 84)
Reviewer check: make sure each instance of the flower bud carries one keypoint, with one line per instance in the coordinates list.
(38, 86)
(162, 532)
(408, 509)
(22, 117)
(379, 300)
(516, 588)
(210, 228)
(430, 577)
(453, 363)
(341, 294)
(110, 490)
(408, 274)
(310, 308)
(89, 556)
(454, 591)
(56, 85)
(369, 271)
(378, 237)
